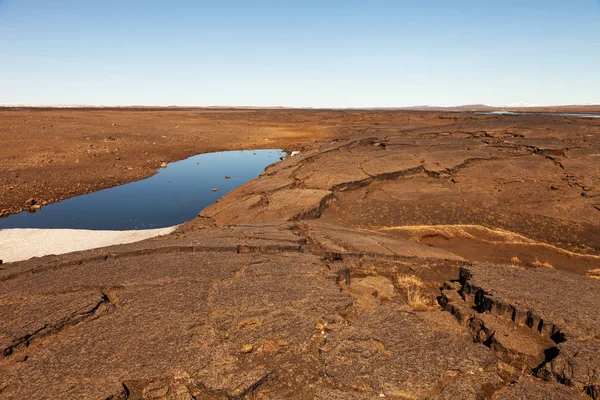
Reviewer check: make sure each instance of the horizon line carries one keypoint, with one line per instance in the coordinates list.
(462, 106)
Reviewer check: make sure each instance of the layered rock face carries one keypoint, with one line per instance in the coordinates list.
(440, 262)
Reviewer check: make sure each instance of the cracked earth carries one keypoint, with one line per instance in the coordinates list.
(423, 258)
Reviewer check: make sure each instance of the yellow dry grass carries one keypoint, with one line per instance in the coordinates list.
(538, 264)
(415, 294)
(416, 232)
(515, 262)
(594, 273)
(483, 234)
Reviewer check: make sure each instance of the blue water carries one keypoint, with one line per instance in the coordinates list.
(540, 113)
(172, 196)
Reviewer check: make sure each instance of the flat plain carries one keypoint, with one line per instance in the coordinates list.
(400, 254)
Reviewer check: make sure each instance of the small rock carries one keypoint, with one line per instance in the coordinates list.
(320, 327)
(31, 202)
(20, 358)
(215, 189)
(247, 348)
(227, 177)
(163, 165)
(553, 187)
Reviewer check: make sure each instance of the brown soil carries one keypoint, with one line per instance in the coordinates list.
(401, 256)
(53, 154)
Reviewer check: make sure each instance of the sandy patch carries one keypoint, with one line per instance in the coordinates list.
(22, 244)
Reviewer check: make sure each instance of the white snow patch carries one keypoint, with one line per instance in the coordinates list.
(22, 244)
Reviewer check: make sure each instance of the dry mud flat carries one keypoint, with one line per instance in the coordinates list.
(455, 259)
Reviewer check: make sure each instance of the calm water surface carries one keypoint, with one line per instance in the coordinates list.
(172, 196)
(541, 113)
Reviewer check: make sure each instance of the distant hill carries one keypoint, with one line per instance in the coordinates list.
(467, 107)
(585, 108)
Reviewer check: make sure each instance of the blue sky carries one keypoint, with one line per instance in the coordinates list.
(349, 53)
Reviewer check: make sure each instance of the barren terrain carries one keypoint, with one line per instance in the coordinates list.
(400, 255)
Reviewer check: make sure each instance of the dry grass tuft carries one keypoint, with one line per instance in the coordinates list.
(416, 297)
(409, 280)
(594, 273)
(515, 261)
(538, 264)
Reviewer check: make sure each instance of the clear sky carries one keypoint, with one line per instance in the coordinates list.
(327, 53)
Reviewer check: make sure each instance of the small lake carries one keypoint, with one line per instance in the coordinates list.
(540, 113)
(174, 195)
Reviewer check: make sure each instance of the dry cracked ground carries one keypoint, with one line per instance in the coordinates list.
(457, 260)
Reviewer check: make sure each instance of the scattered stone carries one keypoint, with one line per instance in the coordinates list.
(531, 388)
(227, 177)
(163, 165)
(247, 348)
(31, 202)
(214, 189)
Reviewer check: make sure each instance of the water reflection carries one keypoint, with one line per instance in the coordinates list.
(172, 196)
(581, 115)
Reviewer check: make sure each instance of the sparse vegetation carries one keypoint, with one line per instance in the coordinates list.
(515, 261)
(414, 287)
(594, 273)
(538, 264)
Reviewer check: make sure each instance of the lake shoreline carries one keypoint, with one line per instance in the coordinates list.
(172, 196)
